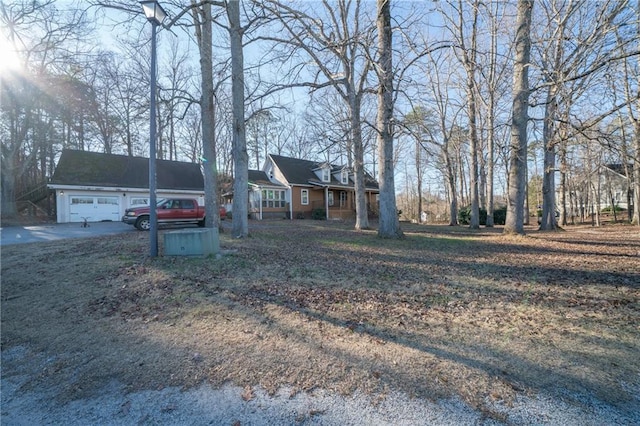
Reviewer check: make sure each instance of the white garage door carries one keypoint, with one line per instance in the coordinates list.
(93, 209)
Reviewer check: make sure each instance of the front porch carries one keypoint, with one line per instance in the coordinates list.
(339, 204)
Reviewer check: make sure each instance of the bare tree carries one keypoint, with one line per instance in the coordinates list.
(466, 43)
(493, 71)
(518, 152)
(337, 47)
(389, 226)
(203, 21)
(48, 41)
(566, 59)
(240, 225)
(634, 117)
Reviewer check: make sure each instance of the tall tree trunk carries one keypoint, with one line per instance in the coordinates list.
(469, 56)
(490, 166)
(451, 190)
(389, 226)
(520, 117)
(362, 217)
(419, 179)
(562, 205)
(548, 219)
(491, 121)
(240, 222)
(636, 163)
(203, 22)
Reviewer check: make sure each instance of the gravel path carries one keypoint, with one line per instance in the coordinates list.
(231, 405)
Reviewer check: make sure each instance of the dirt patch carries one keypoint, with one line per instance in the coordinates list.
(315, 305)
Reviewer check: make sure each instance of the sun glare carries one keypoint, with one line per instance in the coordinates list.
(9, 59)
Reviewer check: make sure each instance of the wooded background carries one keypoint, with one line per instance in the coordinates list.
(75, 74)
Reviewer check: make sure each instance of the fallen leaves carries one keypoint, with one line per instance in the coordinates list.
(323, 307)
(247, 393)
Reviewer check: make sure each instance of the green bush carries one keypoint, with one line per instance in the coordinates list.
(499, 216)
(608, 209)
(318, 214)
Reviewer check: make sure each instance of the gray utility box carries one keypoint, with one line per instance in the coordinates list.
(192, 242)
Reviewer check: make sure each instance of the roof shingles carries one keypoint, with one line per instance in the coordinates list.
(301, 172)
(84, 168)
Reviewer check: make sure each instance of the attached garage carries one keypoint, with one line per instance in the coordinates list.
(98, 187)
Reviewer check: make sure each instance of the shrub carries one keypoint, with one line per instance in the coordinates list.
(499, 216)
(608, 209)
(318, 214)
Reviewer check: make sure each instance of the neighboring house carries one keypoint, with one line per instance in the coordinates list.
(607, 186)
(613, 186)
(99, 187)
(295, 189)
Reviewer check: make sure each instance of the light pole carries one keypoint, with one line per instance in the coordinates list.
(155, 14)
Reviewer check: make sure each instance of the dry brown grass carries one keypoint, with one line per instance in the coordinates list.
(317, 305)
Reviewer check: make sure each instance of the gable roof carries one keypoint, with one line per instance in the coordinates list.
(85, 168)
(258, 177)
(301, 172)
(620, 169)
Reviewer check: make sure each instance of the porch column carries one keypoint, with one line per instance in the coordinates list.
(260, 201)
(326, 201)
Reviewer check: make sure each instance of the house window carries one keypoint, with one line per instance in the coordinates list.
(304, 197)
(344, 177)
(82, 200)
(343, 198)
(108, 200)
(273, 198)
(139, 202)
(326, 175)
(330, 195)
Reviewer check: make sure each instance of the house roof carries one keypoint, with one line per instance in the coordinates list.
(84, 168)
(301, 172)
(258, 177)
(620, 169)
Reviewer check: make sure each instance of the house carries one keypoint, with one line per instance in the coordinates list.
(612, 186)
(267, 199)
(609, 185)
(294, 188)
(99, 187)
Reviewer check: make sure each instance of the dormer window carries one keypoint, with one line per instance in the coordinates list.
(344, 177)
(326, 174)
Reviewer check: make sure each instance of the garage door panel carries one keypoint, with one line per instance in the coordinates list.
(93, 209)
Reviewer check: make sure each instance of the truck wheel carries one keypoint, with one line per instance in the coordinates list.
(201, 223)
(143, 223)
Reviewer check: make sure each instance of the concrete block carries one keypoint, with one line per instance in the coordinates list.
(192, 242)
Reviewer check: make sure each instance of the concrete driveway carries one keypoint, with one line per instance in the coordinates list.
(59, 231)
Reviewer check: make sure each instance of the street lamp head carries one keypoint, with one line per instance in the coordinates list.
(153, 11)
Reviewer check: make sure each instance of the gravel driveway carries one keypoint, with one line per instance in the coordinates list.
(230, 405)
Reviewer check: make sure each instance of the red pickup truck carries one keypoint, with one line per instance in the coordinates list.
(169, 211)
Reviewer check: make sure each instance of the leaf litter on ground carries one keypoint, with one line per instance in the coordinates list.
(308, 305)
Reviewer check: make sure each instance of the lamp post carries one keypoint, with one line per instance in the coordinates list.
(155, 14)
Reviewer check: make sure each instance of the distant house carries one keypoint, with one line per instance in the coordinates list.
(612, 186)
(294, 188)
(99, 187)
